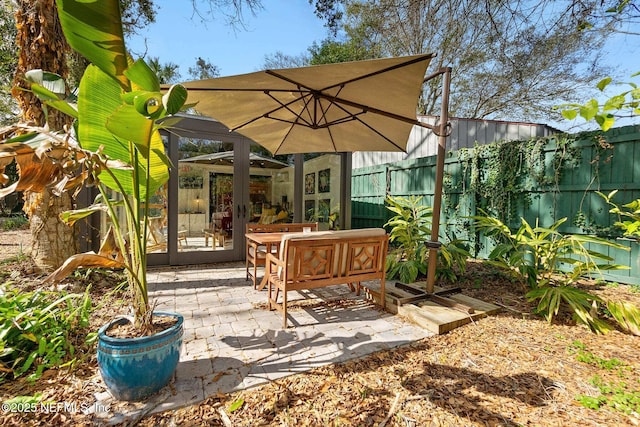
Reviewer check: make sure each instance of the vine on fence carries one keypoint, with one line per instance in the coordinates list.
(603, 153)
(500, 176)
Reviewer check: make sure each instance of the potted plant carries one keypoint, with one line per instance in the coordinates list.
(115, 145)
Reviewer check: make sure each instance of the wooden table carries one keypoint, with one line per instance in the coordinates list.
(271, 242)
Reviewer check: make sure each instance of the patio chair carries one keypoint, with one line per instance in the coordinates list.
(157, 235)
(219, 229)
(256, 255)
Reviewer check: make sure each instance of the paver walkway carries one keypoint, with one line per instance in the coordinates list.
(232, 342)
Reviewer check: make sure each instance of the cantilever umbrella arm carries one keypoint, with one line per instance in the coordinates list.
(442, 130)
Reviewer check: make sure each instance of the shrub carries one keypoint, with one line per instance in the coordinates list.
(550, 262)
(39, 330)
(14, 223)
(410, 229)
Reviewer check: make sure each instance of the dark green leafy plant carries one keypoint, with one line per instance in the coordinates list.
(410, 229)
(619, 397)
(40, 330)
(501, 176)
(550, 263)
(14, 223)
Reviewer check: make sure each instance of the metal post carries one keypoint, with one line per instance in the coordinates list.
(434, 244)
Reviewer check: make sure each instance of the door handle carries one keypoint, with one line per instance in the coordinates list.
(238, 211)
(244, 211)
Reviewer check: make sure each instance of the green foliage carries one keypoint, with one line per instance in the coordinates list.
(628, 215)
(542, 255)
(502, 175)
(550, 262)
(591, 359)
(39, 330)
(8, 62)
(627, 101)
(14, 223)
(620, 397)
(626, 314)
(580, 302)
(332, 52)
(410, 229)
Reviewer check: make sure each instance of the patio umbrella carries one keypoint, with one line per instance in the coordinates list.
(344, 107)
(225, 158)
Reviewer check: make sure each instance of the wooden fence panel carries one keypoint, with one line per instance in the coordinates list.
(601, 165)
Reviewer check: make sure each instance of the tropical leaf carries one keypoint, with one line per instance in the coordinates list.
(550, 298)
(70, 217)
(94, 28)
(174, 99)
(51, 90)
(86, 260)
(626, 314)
(142, 77)
(101, 108)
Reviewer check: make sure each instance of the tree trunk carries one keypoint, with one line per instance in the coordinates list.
(42, 45)
(53, 241)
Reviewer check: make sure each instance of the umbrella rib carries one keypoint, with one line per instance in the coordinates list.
(384, 70)
(333, 143)
(368, 109)
(306, 100)
(266, 115)
(381, 135)
(355, 79)
(326, 110)
(305, 97)
(333, 98)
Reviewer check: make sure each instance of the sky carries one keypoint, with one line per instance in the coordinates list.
(289, 26)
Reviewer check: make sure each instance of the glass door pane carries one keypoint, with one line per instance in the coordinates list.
(322, 190)
(205, 195)
(271, 189)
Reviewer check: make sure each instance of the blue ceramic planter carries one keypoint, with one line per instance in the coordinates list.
(135, 368)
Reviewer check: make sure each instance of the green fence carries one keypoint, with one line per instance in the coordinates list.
(544, 180)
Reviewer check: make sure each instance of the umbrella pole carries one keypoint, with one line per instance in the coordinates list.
(434, 244)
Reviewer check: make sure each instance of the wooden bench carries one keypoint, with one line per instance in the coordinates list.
(326, 258)
(257, 254)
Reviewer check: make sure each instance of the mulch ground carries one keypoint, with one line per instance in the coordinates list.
(510, 369)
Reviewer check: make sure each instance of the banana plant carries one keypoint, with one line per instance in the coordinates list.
(114, 144)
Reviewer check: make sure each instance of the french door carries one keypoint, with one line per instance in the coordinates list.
(219, 182)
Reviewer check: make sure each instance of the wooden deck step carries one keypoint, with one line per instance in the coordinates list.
(433, 316)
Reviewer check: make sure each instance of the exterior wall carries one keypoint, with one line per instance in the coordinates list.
(465, 133)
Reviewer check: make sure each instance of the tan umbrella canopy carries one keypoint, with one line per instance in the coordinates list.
(345, 107)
